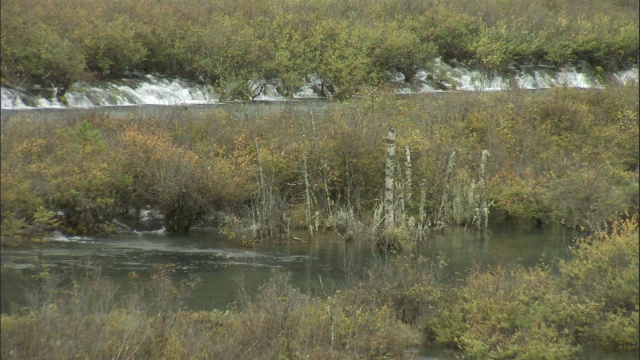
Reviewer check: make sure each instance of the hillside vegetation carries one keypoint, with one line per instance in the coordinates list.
(349, 45)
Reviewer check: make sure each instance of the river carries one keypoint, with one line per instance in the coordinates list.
(223, 265)
(220, 263)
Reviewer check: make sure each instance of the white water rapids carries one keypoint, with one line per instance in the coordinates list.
(159, 90)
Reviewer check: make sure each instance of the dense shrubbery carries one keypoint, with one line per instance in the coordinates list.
(557, 311)
(349, 45)
(566, 156)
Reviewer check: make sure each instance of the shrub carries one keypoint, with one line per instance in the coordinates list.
(515, 313)
(604, 270)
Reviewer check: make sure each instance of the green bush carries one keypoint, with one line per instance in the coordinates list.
(89, 320)
(113, 48)
(38, 55)
(604, 270)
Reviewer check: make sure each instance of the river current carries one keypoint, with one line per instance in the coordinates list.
(222, 264)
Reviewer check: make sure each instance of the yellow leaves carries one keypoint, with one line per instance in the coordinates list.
(31, 149)
(243, 154)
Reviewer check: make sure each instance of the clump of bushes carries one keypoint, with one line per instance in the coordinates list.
(590, 300)
(573, 160)
(89, 319)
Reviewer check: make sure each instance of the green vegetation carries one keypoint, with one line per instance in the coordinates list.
(555, 311)
(349, 45)
(547, 313)
(90, 320)
(565, 156)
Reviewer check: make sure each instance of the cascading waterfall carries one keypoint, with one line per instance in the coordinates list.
(145, 90)
(438, 77)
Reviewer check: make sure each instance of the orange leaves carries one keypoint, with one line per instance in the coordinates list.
(242, 155)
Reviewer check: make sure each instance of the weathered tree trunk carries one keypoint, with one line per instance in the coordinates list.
(324, 169)
(422, 221)
(261, 206)
(388, 180)
(445, 192)
(407, 178)
(481, 208)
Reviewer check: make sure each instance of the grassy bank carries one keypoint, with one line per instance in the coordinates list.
(348, 45)
(558, 310)
(567, 156)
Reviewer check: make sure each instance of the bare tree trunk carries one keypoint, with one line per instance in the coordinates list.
(421, 213)
(388, 180)
(262, 182)
(407, 178)
(261, 207)
(400, 209)
(445, 192)
(481, 212)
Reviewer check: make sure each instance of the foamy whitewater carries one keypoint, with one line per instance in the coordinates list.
(438, 77)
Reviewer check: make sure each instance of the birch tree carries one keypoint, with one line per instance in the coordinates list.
(388, 180)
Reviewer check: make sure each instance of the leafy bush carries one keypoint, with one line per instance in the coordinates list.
(572, 160)
(113, 48)
(604, 270)
(38, 55)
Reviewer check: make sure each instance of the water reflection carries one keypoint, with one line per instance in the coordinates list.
(317, 267)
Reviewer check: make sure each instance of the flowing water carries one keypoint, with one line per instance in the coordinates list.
(138, 89)
(317, 267)
(240, 110)
(221, 264)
